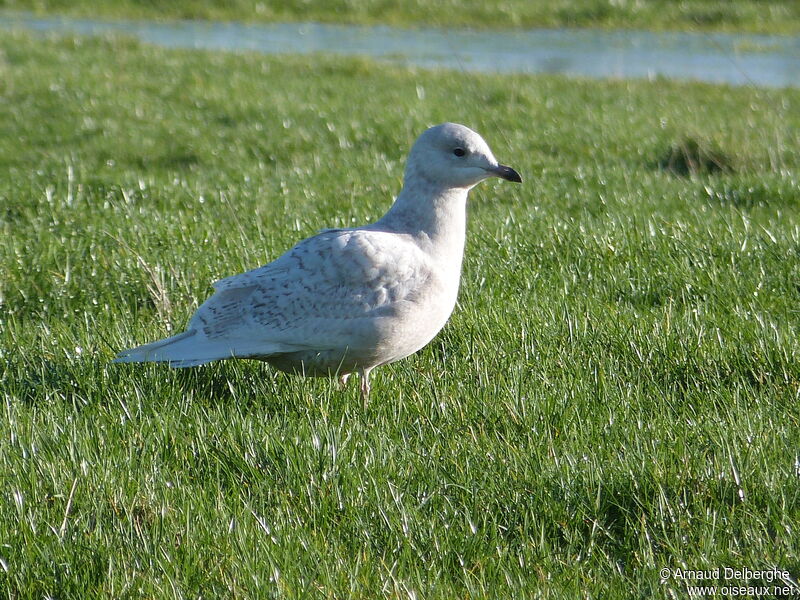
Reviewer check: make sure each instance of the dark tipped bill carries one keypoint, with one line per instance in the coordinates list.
(507, 173)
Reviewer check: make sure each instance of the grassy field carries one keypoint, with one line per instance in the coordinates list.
(766, 16)
(616, 393)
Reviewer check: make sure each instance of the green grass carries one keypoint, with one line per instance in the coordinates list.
(765, 16)
(617, 391)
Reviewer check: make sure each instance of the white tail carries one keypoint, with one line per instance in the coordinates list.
(179, 351)
(191, 348)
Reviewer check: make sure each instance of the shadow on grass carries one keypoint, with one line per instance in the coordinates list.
(692, 156)
(86, 381)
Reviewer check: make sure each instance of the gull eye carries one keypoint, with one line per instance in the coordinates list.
(459, 152)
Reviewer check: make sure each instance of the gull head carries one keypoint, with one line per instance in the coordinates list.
(453, 156)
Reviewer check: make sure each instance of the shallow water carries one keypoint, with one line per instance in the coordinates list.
(739, 59)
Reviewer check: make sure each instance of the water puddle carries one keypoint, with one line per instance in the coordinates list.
(738, 59)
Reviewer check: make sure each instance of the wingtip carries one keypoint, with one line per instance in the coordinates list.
(122, 357)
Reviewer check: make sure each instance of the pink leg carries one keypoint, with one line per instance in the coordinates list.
(343, 380)
(364, 374)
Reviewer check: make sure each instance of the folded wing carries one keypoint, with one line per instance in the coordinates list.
(327, 292)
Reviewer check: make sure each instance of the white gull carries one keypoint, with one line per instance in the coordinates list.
(348, 300)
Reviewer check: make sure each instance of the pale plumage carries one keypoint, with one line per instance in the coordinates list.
(349, 300)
